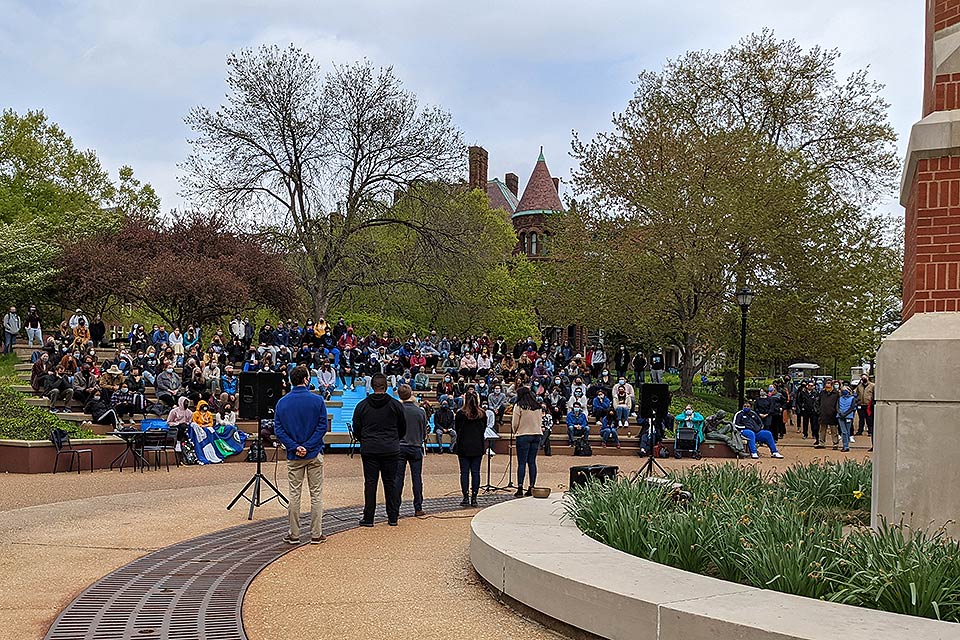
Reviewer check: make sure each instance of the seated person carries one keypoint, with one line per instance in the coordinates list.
(57, 386)
(326, 380)
(168, 385)
(690, 419)
(750, 425)
(101, 412)
(600, 405)
(577, 426)
(718, 429)
(650, 439)
(608, 428)
(443, 422)
(421, 381)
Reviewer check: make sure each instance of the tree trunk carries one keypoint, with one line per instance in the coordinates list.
(688, 367)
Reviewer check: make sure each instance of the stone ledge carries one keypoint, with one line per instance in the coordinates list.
(936, 136)
(526, 551)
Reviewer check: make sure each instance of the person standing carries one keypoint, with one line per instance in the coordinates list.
(808, 411)
(640, 367)
(300, 422)
(657, 366)
(379, 424)
(829, 399)
(11, 327)
(621, 361)
(527, 425)
(470, 424)
(34, 332)
(846, 409)
(411, 448)
(864, 404)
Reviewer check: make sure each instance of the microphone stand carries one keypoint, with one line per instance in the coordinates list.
(255, 499)
(647, 470)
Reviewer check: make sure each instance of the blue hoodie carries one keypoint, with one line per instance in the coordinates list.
(301, 421)
(847, 404)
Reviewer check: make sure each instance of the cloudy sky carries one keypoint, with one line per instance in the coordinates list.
(120, 76)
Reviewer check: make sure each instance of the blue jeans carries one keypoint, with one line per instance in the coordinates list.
(413, 456)
(527, 447)
(9, 339)
(764, 437)
(846, 428)
(623, 414)
(575, 431)
(336, 356)
(609, 434)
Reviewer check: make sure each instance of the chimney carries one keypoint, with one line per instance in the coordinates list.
(513, 183)
(556, 184)
(478, 168)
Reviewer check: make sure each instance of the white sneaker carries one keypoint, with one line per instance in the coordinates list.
(490, 452)
(852, 440)
(776, 455)
(754, 455)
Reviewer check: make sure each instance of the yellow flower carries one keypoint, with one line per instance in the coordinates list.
(858, 495)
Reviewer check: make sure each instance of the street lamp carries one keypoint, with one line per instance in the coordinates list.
(744, 298)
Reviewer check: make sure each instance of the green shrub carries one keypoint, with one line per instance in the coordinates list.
(21, 421)
(786, 532)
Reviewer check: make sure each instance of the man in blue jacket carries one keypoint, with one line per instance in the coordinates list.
(577, 423)
(300, 422)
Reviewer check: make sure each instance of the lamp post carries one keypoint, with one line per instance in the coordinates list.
(744, 298)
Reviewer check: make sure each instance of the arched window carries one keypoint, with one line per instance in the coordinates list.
(523, 242)
(533, 243)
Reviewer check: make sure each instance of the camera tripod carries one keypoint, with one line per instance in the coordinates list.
(648, 467)
(255, 498)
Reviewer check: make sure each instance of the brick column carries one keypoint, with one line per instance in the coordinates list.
(931, 182)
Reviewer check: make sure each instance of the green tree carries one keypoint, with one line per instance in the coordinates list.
(752, 166)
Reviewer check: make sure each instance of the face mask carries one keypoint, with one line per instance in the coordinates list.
(556, 381)
(845, 392)
(746, 410)
(576, 410)
(170, 370)
(446, 379)
(689, 412)
(497, 390)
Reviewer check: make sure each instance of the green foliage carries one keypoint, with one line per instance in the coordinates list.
(21, 421)
(783, 532)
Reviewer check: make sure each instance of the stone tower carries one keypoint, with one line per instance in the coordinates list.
(540, 199)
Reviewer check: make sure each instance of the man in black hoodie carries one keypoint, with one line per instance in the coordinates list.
(379, 424)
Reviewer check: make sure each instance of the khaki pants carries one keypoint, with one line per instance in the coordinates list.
(313, 469)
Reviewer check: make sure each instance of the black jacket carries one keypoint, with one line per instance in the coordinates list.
(379, 423)
(622, 360)
(470, 435)
(828, 407)
(808, 403)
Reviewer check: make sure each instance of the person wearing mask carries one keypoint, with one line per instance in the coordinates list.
(327, 380)
(98, 331)
(411, 448)
(846, 410)
(546, 429)
(577, 425)
(608, 429)
(490, 433)
(468, 366)
(599, 406)
(229, 385)
(38, 371)
(751, 427)
(657, 365)
(767, 406)
(76, 318)
(690, 419)
(379, 424)
(110, 381)
(56, 386)
(865, 392)
(497, 402)
(598, 359)
(808, 411)
(168, 385)
(84, 384)
(11, 327)
(443, 424)
(101, 412)
(226, 417)
(470, 424)
(123, 401)
(300, 422)
(527, 427)
(827, 409)
(34, 331)
(623, 401)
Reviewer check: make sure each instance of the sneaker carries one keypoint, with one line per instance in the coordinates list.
(365, 523)
(776, 454)
(755, 455)
(289, 539)
(490, 452)
(852, 440)
(319, 540)
(393, 523)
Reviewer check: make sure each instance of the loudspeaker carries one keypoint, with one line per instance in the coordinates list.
(259, 392)
(654, 398)
(580, 475)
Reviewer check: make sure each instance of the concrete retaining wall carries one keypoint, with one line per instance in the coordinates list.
(524, 549)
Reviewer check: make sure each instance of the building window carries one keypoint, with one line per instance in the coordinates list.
(533, 243)
(523, 242)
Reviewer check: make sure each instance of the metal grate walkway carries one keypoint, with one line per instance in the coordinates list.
(194, 590)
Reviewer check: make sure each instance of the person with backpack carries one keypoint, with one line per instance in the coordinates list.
(300, 422)
(527, 426)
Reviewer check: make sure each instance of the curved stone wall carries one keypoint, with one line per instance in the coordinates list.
(524, 549)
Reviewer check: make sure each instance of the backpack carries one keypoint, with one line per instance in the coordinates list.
(582, 448)
(256, 451)
(189, 456)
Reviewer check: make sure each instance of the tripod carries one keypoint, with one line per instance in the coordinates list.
(510, 484)
(647, 470)
(255, 500)
(490, 488)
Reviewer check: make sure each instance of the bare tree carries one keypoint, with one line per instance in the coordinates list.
(317, 160)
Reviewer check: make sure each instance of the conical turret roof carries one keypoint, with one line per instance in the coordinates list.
(540, 194)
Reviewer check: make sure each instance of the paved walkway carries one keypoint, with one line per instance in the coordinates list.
(59, 534)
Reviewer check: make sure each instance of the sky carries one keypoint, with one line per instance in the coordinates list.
(119, 76)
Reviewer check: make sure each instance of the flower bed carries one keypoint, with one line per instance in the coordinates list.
(803, 532)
